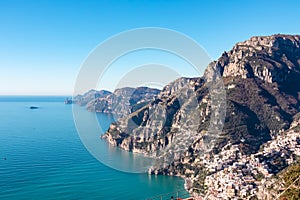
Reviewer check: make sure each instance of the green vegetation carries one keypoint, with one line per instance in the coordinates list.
(291, 179)
(259, 176)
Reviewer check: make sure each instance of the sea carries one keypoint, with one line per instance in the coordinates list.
(42, 156)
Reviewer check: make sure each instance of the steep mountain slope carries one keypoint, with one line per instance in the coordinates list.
(257, 75)
(84, 99)
(121, 102)
(186, 128)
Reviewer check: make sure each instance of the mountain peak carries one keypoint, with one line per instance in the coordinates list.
(273, 41)
(269, 58)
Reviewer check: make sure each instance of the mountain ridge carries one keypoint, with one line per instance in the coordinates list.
(259, 77)
(121, 102)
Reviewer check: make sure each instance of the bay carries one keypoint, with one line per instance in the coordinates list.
(42, 157)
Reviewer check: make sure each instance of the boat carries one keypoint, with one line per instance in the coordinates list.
(33, 107)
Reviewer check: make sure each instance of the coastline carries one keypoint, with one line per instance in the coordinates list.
(60, 175)
(188, 183)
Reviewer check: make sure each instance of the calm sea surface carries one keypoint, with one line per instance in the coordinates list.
(42, 157)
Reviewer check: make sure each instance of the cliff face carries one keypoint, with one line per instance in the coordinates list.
(152, 127)
(257, 75)
(269, 58)
(261, 84)
(121, 102)
(91, 95)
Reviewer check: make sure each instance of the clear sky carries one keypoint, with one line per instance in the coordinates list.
(44, 43)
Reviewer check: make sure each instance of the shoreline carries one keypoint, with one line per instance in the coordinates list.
(188, 183)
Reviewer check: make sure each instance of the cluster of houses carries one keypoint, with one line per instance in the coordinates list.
(235, 176)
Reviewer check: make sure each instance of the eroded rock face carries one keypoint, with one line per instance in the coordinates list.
(121, 102)
(261, 83)
(151, 129)
(89, 96)
(255, 75)
(269, 58)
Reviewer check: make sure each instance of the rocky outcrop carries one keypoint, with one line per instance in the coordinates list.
(89, 96)
(257, 104)
(153, 126)
(194, 120)
(269, 58)
(121, 102)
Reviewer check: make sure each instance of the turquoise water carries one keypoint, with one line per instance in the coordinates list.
(42, 157)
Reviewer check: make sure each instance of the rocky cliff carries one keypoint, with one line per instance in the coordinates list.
(151, 128)
(91, 95)
(259, 77)
(269, 58)
(121, 102)
(184, 127)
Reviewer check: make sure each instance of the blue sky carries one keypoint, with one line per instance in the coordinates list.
(44, 43)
